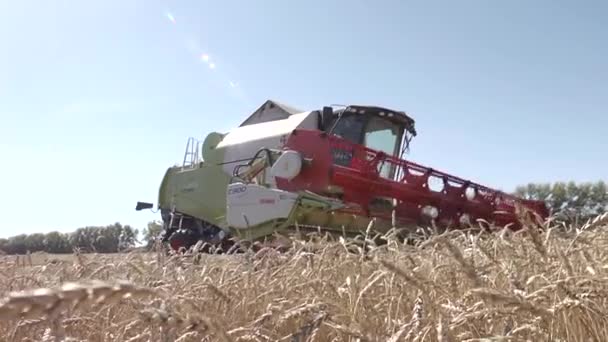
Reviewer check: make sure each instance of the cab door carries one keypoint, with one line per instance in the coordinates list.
(381, 134)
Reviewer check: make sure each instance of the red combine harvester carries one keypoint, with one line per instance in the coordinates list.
(332, 170)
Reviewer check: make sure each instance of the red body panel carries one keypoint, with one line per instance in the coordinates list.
(358, 176)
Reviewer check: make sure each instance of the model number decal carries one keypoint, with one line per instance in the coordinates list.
(238, 190)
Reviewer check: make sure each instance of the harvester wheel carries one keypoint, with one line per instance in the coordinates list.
(182, 239)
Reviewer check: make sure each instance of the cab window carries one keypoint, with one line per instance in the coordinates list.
(383, 135)
(350, 127)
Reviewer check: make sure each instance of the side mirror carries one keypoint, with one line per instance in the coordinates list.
(326, 117)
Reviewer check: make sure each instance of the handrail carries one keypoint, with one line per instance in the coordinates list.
(192, 153)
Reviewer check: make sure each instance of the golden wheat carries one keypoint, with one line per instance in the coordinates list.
(546, 285)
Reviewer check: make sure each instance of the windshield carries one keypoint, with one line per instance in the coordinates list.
(383, 135)
(373, 132)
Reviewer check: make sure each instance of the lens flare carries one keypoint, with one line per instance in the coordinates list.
(193, 46)
(171, 17)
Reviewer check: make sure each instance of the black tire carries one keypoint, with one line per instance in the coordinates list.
(183, 239)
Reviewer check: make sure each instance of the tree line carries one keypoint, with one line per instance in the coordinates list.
(106, 239)
(568, 202)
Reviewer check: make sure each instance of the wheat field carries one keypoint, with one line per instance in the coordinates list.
(547, 285)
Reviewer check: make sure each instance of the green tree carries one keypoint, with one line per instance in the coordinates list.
(84, 238)
(152, 232)
(17, 244)
(3, 246)
(127, 238)
(56, 242)
(35, 242)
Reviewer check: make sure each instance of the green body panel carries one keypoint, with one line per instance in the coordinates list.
(199, 192)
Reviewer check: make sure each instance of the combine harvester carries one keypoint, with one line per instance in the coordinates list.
(333, 169)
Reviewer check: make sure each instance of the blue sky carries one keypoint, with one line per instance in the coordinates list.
(98, 98)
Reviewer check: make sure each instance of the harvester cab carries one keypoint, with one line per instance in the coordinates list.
(376, 128)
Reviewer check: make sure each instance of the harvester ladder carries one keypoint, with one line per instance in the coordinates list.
(191, 156)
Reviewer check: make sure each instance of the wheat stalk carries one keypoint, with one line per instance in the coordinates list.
(46, 301)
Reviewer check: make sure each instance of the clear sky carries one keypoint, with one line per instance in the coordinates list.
(97, 98)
